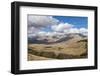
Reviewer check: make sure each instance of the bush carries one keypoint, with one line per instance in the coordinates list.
(34, 52)
(64, 56)
(84, 54)
(48, 54)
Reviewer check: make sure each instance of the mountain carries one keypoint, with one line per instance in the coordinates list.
(56, 38)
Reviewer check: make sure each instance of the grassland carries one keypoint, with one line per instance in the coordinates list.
(73, 49)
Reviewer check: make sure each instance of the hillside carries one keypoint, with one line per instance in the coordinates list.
(71, 46)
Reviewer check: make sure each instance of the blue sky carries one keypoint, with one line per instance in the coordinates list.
(79, 22)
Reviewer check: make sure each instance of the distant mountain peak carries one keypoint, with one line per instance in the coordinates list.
(55, 38)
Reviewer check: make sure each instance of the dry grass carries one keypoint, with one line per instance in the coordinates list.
(35, 57)
(65, 50)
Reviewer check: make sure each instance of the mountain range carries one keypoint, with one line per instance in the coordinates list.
(55, 38)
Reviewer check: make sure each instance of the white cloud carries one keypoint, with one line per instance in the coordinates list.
(32, 30)
(39, 33)
(41, 21)
(43, 33)
(61, 27)
(31, 35)
(76, 30)
(36, 23)
(83, 30)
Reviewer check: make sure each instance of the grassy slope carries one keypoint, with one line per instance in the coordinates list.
(74, 48)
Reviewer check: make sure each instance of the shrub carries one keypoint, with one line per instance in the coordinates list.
(64, 56)
(48, 54)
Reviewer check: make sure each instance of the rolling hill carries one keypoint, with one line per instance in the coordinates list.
(68, 46)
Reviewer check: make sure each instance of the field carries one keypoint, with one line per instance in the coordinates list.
(72, 49)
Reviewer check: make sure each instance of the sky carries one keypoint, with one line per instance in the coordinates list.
(54, 25)
(77, 21)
